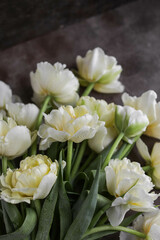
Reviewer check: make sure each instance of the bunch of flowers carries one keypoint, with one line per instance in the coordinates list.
(65, 169)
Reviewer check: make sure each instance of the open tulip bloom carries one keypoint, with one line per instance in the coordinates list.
(65, 173)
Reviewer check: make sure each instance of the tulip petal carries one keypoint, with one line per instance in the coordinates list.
(23, 114)
(82, 134)
(20, 139)
(146, 102)
(114, 87)
(143, 150)
(117, 211)
(6, 94)
(45, 186)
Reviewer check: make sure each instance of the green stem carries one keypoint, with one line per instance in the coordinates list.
(69, 159)
(88, 89)
(120, 151)
(114, 146)
(4, 165)
(147, 168)
(10, 165)
(111, 228)
(87, 162)
(103, 220)
(38, 122)
(128, 148)
(25, 155)
(22, 206)
(79, 158)
(37, 205)
(42, 110)
(98, 216)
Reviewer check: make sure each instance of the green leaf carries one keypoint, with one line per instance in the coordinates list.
(102, 180)
(26, 228)
(47, 213)
(83, 194)
(84, 217)
(7, 222)
(81, 181)
(99, 235)
(53, 150)
(13, 214)
(64, 206)
(101, 157)
(128, 220)
(1, 222)
(78, 204)
(55, 229)
(102, 201)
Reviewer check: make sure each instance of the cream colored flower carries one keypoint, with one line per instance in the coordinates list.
(14, 140)
(101, 69)
(103, 137)
(56, 81)
(33, 180)
(5, 94)
(23, 114)
(68, 123)
(147, 104)
(148, 223)
(152, 159)
(130, 121)
(106, 112)
(127, 182)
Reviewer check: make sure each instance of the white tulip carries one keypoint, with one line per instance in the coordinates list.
(152, 159)
(56, 81)
(130, 121)
(5, 94)
(14, 140)
(127, 182)
(33, 180)
(103, 137)
(23, 114)
(104, 110)
(148, 223)
(101, 69)
(147, 104)
(68, 123)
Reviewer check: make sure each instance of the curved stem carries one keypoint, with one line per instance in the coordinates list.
(98, 215)
(69, 159)
(129, 148)
(4, 165)
(37, 205)
(115, 144)
(126, 150)
(42, 110)
(88, 89)
(87, 162)
(79, 158)
(102, 221)
(120, 151)
(111, 228)
(10, 165)
(38, 122)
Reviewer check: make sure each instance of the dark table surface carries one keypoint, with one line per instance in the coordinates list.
(131, 33)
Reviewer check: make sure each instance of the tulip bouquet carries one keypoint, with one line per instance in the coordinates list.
(65, 171)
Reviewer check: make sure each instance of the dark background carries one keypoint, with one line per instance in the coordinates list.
(130, 32)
